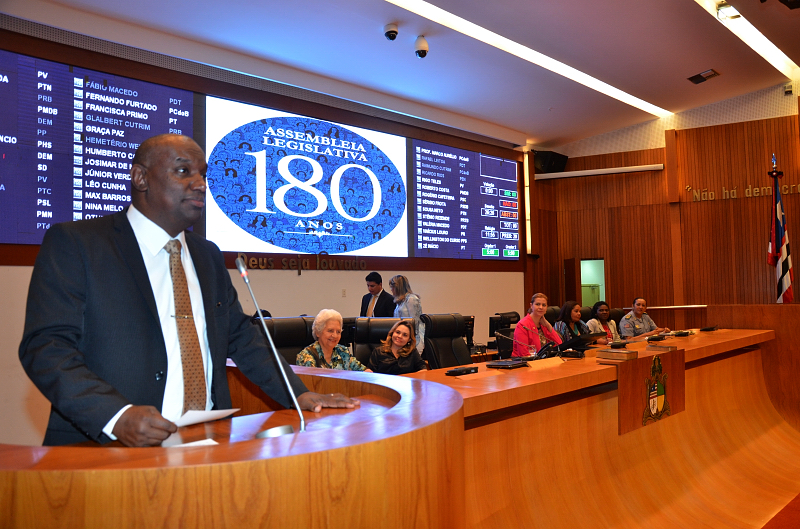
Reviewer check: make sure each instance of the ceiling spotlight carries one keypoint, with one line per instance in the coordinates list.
(421, 47)
(390, 31)
(725, 11)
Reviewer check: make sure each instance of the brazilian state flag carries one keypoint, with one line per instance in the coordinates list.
(656, 397)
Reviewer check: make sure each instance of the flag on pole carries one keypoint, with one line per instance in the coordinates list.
(778, 253)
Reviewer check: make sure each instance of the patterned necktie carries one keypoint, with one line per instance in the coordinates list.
(194, 378)
(371, 306)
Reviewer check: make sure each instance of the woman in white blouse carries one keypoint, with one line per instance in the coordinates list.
(600, 322)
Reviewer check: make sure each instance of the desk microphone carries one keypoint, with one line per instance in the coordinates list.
(286, 429)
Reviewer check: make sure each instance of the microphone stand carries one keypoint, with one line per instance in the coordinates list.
(529, 346)
(278, 430)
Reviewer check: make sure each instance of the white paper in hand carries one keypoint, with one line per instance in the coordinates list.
(196, 416)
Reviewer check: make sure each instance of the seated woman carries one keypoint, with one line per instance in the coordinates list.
(326, 351)
(534, 331)
(398, 355)
(569, 324)
(637, 324)
(600, 322)
(408, 306)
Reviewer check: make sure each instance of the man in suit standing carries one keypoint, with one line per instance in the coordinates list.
(130, 318)
(378, 303)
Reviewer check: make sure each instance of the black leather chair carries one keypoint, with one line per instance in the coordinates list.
(255, 318)
(444, 340)
(290, 335)
(616, 315)
(369, 333)
(551, 314)
(586, 313)
(348, 331)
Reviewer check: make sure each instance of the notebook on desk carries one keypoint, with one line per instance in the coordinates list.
(509, 363)
(582, 341)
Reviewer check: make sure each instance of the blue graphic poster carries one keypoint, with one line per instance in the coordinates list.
(284, 183)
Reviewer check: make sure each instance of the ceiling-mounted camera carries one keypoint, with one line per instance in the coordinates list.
(421, 47)
(390, 31)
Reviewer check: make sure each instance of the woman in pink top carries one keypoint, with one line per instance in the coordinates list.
(534, 330)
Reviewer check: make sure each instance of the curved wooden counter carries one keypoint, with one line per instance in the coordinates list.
(396, 462)
(729, 460)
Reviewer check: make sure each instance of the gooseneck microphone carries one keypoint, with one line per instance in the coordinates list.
(527, 345)
(243, 271)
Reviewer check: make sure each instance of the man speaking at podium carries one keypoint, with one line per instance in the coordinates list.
(130, 318)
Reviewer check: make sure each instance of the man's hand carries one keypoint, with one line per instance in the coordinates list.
(143, 426)
(316, 401)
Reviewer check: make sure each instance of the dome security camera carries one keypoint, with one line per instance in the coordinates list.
(421, 47)
(390, 31)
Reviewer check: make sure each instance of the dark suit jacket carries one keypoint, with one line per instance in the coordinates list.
(384, 306)
(93, 343)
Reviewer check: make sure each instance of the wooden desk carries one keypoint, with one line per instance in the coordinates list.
(557, 459)
(500, 389)
(395, 462)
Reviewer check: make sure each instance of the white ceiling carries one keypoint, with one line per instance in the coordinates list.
(647, 48)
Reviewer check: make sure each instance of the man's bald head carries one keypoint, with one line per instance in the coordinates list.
(143, 155)
(168, 181)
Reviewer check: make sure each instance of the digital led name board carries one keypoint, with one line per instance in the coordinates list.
(467, 204)
(67, 138)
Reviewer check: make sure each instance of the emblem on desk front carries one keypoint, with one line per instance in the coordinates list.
(655, 393)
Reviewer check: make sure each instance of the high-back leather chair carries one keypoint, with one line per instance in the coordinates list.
(444, 340)
(616, 315)
(348, 331)
(586, 313)
(290, 335)
(551, 314)
(369, 333)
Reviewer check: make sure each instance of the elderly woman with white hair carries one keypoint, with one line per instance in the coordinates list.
(326, 351)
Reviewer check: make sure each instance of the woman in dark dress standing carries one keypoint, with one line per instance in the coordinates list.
(398, 355)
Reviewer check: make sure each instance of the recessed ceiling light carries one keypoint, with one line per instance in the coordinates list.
(703, 76)
(470, 29)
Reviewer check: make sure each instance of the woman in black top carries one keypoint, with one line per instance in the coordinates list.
(398, 355)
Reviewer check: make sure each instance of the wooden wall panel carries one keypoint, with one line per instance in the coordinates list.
(640, 261)
(737, 155)
(616, 159)
(547, 270)
(625, 218)
(584, 234)
(725, 239)
(612, 190)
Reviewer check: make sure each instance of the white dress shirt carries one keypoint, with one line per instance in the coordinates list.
(151, 239)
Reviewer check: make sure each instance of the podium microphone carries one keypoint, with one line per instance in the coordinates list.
(280, 430)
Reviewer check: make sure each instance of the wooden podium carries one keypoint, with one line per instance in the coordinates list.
(397, 461)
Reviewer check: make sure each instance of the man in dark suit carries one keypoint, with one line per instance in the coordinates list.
(383, 307)
(103, 339)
